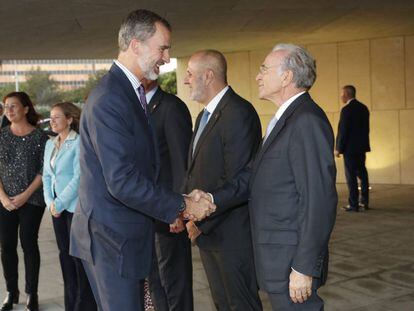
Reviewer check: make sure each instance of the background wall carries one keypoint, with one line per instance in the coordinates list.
(382, 70)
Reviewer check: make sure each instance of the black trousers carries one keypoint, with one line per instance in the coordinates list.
(77, 292)
(232, 278)
(355, 167)
(171, 276)
(26, 222)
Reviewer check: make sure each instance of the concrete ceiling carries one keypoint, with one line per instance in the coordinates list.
(45, 29)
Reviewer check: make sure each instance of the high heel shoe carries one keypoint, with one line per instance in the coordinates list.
(10, 299)
(32, 302)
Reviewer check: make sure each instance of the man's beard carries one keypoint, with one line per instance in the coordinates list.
(147, 68)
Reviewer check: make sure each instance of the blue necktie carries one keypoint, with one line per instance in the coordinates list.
(201, 127)
(142, 98)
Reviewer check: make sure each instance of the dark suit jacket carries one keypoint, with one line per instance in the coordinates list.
(119, 166)
(227, 144)
(292, 196)
(173, 127)
(353, 129)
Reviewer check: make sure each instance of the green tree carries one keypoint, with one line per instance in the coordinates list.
(41, 88)
(168, 82)
(6, 89)
(93, 81)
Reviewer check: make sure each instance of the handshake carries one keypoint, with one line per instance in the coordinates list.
(198, 205)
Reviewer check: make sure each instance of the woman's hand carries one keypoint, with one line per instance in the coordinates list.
(20, 199)
(8, 204)
(53, 210)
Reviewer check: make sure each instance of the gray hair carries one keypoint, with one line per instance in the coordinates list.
(300, 62)
(139, 24)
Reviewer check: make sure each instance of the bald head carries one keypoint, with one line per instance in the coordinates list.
(211, 60)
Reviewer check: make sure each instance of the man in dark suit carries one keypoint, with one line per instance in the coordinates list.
(290, 185)
(171, 276)
(113, 225)
(353, 142)
(227, 135)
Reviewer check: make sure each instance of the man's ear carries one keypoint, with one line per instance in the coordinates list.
(287, 77)
(135, 45)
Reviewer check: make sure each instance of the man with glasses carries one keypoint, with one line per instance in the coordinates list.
(290, 185)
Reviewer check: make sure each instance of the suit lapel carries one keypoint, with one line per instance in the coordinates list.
(209, 126)
(276, 131)
(156, 100)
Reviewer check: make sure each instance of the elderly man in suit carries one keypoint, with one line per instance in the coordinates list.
(290, 185)
(113, 225)
(227, 135)
(353, 142)
(171, 277)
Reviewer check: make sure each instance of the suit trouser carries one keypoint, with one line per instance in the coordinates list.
(77, 292)
(232, 279)
(282, 302)
(171, 277)
(355, 167)
(25, 221)
(112, 292)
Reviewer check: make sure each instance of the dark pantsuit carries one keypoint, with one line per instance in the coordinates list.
(171, 276)
(238, 292)
(283, 302)
(355, 167)
(26, 222)
(78, 294)
(103, 272)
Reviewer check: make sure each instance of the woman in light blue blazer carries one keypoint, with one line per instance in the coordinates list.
(61, 174)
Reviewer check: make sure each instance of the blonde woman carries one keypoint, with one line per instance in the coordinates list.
(61, 182)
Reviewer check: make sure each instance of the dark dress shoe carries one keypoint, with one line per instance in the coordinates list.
(363, 207)
(10, 299)
(32, 302)
(348, 208)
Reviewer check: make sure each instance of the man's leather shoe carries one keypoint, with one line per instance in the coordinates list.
(363, 207)
(348, 208)
(10, 299)
(32, 302)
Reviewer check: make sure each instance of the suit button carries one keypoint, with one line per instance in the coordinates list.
(189, 176)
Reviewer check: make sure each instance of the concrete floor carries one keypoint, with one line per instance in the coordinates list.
(371, 267)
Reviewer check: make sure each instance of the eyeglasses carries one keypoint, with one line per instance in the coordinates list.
(263, 69)
(9, 107)
(53, 118)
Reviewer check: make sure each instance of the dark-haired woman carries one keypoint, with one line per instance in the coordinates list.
(21, 163)
(61, 174)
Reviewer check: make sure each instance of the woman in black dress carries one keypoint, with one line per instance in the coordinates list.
(21, 161)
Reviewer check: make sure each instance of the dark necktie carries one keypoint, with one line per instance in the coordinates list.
(142, 98)
(201, 127)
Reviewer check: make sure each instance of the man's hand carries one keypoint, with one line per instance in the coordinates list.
(8, 204)
(53, 210)
(337, 154)
(20, 199)
(177, 226)
(197, 210)
(300, 287)
(193, 231)
(197, 195)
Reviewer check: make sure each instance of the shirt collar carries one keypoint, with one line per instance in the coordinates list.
(286, 105)
(150, 94)
(71, 136)
(211, 106)
(131, 77)
(349, 100)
